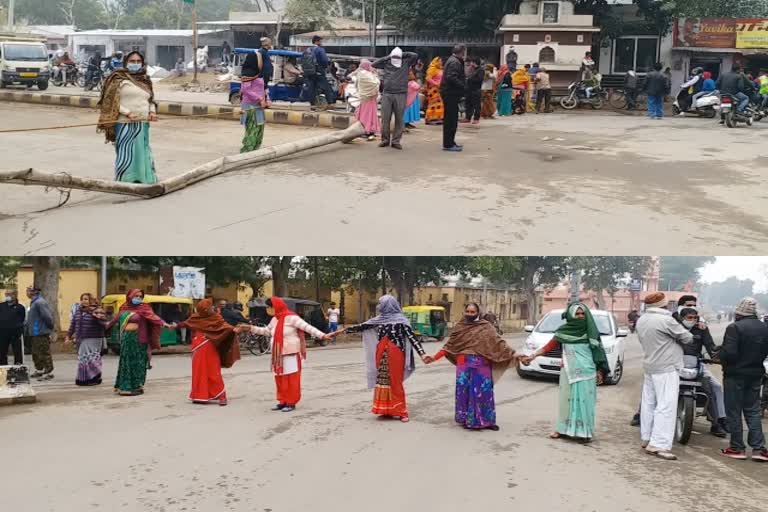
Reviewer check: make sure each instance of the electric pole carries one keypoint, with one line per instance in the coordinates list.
(11, 22)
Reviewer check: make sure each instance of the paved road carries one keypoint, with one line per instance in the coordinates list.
(564, 184)
(80, 449)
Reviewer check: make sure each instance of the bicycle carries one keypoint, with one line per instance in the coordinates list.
(256, 344)
(618, 100)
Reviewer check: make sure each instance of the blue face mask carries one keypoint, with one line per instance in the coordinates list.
(133, 68)
(136, 301)
(8, 298)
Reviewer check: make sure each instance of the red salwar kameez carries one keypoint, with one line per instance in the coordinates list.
(389, 393)
(289, 386)
(207, 382)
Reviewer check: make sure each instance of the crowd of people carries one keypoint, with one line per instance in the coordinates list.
(391, 349)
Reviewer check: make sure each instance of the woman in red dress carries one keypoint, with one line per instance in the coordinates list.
(214, 345)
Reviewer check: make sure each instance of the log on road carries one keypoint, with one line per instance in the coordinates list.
(167, 186)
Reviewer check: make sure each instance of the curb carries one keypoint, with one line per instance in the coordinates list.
(289, 117)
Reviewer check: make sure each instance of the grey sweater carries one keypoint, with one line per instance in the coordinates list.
(661, 337)
(39, 319)
(396, 79)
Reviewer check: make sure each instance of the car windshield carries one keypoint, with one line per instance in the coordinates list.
(29, 52)
(553, 321)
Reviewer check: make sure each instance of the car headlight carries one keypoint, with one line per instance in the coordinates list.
(10, 68)
(531, 345)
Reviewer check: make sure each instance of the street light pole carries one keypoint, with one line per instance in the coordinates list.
(11, 21)
(103, 276)
(374, 22)
(194, 38)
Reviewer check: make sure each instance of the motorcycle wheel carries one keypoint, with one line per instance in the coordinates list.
(710, 114)
(676, 110)
(618, 373)
(597, 103)
(617, 100)
(81, 81)
(58, 82)
(730, 122)
(686, 412)
(750, 120)
(569, 103)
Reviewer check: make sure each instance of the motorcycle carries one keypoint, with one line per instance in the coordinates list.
(728, 114)
(704, 106)
(577, 95)
(72, 76)
(692, 400)
(95, 81)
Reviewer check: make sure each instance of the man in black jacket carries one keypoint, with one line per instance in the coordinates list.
(656, 87)
(734, 84)
(474, 91)
(12, 316)
(745, 347)
(452, 88)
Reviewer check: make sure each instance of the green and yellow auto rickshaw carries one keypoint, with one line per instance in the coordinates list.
(428, 322)
(170, 309)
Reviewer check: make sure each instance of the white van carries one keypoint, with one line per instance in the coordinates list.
(24, 62)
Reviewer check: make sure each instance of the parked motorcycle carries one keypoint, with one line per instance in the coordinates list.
(577, 95)
(704, 106)
(692, 400)
(95, 81)
(730, 116)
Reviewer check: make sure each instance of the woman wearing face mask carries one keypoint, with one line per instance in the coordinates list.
(389, 344)
(584, 367)
(127, 107)
(87, 330)
(214, 346)
(481, 357)
(289, 350)
(139, 330)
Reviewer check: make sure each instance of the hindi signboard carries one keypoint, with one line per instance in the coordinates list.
(752, 33)
(188, 282)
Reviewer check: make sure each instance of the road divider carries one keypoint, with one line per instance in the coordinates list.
(170, 108)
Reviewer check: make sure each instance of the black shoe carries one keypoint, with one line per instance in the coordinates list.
(289, 408)
(278, 407)
(723, 424)
(384, 144)
(717, 431)
(635, 420)
(410, 126)
(495, 428)
(397, 146)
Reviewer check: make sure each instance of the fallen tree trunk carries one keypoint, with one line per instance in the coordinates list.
(214, 168)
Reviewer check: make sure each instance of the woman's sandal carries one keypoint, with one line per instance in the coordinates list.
(404, 419)
(555, 435)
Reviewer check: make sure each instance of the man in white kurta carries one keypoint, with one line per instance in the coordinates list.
(661, 337)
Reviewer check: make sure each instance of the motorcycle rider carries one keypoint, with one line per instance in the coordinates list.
(116, 62)
(94, 70)
(762, 80)
(734, 83)
(63, 63)
(690, 89)
(702, 339)
(632, 317)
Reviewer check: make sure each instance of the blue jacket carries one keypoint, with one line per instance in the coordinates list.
(321, 57)
(709, 85)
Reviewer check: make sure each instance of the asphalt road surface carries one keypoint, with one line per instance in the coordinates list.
(87, 449)
(577, 183)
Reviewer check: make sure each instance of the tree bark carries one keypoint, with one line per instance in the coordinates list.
(46, 276)
(175, 183)
(280, 270)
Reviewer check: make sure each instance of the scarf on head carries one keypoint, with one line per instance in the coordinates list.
(109, 103)
(251, 67)
(396, 57)
(583, 331)
(213, 326)
(367, 81)
(390, 312)
(435, 68)
(281, 313)
(479, 338)
(146, 312)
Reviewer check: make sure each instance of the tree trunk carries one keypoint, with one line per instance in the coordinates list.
(599, 299)
(280, 269)
(203, 172)
(46, 277)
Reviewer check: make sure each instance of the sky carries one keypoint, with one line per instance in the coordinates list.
(742, 267)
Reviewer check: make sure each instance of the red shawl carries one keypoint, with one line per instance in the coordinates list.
(281, 313)
(153, 322)
(220, 333)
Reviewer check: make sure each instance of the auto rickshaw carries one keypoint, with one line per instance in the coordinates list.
(278, 89)
(170, 309)
(427, 321)
(309, 310)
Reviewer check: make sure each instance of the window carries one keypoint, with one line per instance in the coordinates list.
(580, 38)
(550, 12)
(516, 38)
(547, 54)
(445, 297)
(430, 297)
(514, 308)
(638, 53)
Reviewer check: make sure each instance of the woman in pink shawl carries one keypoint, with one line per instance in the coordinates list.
(367, 82)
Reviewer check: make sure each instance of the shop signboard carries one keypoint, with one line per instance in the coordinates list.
(705, 33)
(752, 33)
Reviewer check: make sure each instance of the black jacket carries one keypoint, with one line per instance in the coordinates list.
(454, 78)
(475, 80)
(12, 316)
(745, 347)
(702, 339)
(731, 83)
(656, 84)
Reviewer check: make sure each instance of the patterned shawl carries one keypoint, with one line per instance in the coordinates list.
(109, 103)
(153, 322)
(220, 333)
(480, 338)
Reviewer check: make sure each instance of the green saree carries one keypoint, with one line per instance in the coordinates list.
(132, 368)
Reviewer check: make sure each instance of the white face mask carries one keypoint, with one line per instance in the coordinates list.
(689, 323)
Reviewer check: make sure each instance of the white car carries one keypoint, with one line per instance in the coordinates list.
(611, 335)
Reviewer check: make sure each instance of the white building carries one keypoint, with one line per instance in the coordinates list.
(548, 32)
(160, 47)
